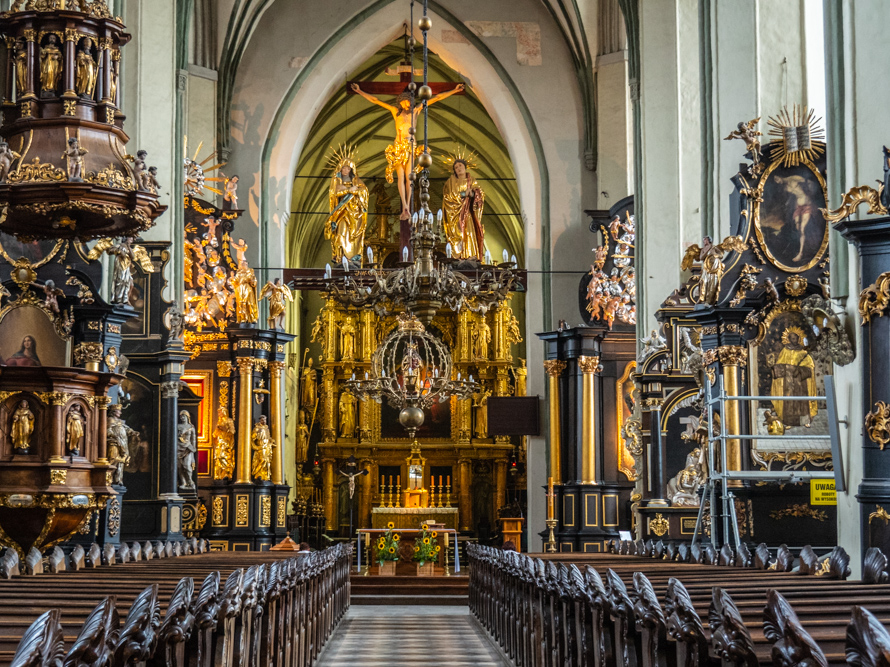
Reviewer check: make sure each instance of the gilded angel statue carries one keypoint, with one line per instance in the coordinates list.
(747, 133)
(711, 258)
(125, 254)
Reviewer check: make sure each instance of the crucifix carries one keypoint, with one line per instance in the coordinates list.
(350, 475)
(401, 153)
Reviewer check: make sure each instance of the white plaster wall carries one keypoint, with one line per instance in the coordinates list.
(867, 128)
(148, 86)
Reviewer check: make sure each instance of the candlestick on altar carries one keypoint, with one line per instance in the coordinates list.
(550, 498)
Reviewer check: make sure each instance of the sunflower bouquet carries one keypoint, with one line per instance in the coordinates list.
(426, 548)
(387, 547)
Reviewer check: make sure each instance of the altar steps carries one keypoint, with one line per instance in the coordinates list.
(409, 590)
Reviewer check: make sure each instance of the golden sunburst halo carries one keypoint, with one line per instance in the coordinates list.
(343, 154)
(461, 154)
(801, 336)
(800, 137)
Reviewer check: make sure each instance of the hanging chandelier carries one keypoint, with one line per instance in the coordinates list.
(411, 370)
(424, 282)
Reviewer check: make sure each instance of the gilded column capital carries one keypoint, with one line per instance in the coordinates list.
(589, 364)
(30, 35)
(654, 403)
(275, 368)
(102, 402)
(732, 355)
(245, 365)
(554, 367)
(71, 35)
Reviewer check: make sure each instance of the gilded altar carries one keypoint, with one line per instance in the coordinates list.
(463, 466)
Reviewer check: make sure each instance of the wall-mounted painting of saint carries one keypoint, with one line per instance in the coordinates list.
(29, 338)
(790, 226)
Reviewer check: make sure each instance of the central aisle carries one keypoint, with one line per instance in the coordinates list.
(388, 636)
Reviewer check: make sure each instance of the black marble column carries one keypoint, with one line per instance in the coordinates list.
(872, 240)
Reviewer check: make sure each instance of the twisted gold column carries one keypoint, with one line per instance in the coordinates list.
(554, 369)
(277, 419)
(245, 388)
(589, 367)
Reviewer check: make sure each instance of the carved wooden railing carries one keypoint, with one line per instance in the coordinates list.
(271, 613)
(738, 609)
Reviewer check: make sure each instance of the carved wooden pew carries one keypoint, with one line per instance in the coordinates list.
(241, 608)
(550, 612)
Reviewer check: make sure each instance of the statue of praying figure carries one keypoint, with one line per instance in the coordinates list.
(462, 202)
(22, 428)
(401, 152)
(348, 198)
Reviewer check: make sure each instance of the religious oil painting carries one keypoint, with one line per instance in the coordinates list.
(36, 252)
(29, 338)
(790, 225)
(787, 362)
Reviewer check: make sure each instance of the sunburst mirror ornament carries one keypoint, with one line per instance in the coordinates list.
(801, 137)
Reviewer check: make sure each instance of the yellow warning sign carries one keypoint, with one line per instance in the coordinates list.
(822, 492)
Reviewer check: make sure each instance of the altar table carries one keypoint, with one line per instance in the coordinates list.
(413, 517)
(371, 535)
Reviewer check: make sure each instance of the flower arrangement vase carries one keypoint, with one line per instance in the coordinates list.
(388, 568)
(426, 569)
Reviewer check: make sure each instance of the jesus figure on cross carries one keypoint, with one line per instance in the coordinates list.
(400, 153)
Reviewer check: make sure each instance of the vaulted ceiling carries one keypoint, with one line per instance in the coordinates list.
(348, 119)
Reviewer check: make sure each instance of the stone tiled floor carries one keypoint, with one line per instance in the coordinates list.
(390, 636)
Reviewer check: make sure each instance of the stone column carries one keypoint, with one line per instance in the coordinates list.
(103, 82)
(168, 459)
(328, 472)
(465, 503)
(554, 369)
(10, 70)
(245, 389)
(277, 418)
(731, 358)
(33, 61)
(657, 475)
(589, 367)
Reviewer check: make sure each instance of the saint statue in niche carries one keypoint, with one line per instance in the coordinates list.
(794, 375)
(263, 447)
(400, 154)
(50, 65)
(87, 69)
(186, 450)
(224, 449)
(22, 427)
(308, 386)
(244, 282)
(463, 201)
(348, 198)
(74, 430)
(347, 415)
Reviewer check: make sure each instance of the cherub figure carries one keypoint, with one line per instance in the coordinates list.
(73, 157)
(240, 249)
(51, 294)
(139, 168)
(7, 157)
(601, 254)
(747, 133)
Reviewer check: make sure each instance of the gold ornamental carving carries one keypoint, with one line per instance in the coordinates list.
(589, 364)
(659, 525)
(218, 515)
(114, 516)
(879, 513)
(732, 355)
(87, 352)
(265, 511)
(242, 511)
(223, 369)
(110, 177)
(282, 511)
(799, 511)
(58, 477)
(853, 199)
(36, 172)
(796, 285)
(554, 367)
(874, 299)
(877, 424)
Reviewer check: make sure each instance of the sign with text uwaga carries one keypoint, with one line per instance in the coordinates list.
(822, 492)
